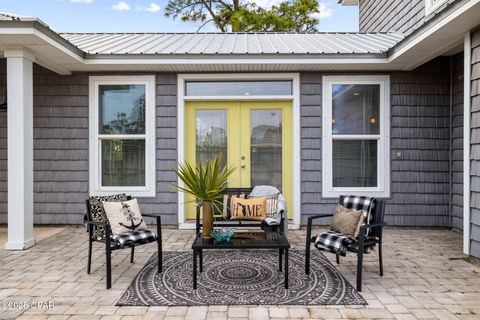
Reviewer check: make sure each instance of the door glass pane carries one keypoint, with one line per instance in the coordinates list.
(266, 148)
(122, 109)
(123, 163)
(354, 163)
(239, 88)
(211, 135)
(356, 109)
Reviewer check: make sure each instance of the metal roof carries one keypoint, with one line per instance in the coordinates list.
(232, 43)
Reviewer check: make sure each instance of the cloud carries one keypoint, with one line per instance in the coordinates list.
(153, 7)
(325, 11)
(81, 1)
(121, 6)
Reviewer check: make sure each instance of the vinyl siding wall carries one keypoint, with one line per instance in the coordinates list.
(404, 16)
(457, 142)
(420, 110)
(60, 106)
(475, 146)
(420, 129)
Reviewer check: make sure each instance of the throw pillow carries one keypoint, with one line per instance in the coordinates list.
(249, 209)
(97, 213)
(124, 216)
(271, 205)
(347, 221)
(227, 205)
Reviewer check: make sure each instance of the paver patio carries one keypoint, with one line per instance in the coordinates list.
(426, 277)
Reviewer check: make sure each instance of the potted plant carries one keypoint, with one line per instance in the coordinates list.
(206, 182)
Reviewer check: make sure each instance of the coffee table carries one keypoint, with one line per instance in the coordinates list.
(242, 241)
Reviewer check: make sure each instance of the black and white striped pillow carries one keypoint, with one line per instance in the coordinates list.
(272, 204)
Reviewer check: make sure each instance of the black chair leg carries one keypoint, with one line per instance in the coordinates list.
(89, 262)
(160, 255)
(338, 258)
(307, 258)
(132, 254)
(380, 257)
(359, 269)
(109, 266)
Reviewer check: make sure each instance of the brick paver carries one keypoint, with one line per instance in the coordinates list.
(426, 277)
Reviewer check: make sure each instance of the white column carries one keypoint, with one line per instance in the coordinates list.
(20, 149)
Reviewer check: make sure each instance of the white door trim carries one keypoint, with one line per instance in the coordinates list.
(295, 98)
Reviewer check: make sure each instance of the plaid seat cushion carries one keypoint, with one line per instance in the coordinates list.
(360, 203)
(333, 242)
(134, 237)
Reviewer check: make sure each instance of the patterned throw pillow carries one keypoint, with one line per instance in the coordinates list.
(347, 221)
(271, 206)
(124, 216)
(98, 214)
(249, 209)
(227, 205)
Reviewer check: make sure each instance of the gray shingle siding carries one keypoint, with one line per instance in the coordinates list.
(404, 16)
(475, 146)
(420, 129)
(61, 148)
(457, 142)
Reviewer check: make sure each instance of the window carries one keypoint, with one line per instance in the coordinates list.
(238, 88)
(122, 135)
(432, 5)
(356, 136)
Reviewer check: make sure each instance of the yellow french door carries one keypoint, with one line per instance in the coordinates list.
(255, 137)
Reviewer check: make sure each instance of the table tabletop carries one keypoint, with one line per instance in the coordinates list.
(246, 240)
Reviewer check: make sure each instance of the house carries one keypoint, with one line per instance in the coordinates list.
(390, 111)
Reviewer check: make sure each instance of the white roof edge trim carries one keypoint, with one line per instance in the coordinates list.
(348, 2)
(192, 61)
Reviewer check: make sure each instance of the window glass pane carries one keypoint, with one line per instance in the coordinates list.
(238, 88)
(123, 163)
(266, 148)
(211, 135)
(354, 163)
(122, 109)
(355, 109)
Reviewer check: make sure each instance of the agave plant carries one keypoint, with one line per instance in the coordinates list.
(206, 182)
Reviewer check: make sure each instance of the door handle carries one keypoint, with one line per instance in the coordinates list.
(243, 166)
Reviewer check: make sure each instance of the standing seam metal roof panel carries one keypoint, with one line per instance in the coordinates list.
(233, 43)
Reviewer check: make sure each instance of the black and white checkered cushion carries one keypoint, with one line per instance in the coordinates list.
(333, 242)
(134, 237)
(360, 203)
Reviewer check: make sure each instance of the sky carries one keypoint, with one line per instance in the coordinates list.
(145, 15)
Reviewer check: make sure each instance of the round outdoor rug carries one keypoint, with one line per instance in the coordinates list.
(239, 277)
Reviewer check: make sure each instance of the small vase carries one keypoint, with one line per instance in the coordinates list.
(207, 219)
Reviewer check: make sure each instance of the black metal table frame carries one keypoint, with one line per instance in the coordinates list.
(282, 250)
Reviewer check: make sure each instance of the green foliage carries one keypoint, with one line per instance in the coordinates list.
(244, 16)
(207, 181)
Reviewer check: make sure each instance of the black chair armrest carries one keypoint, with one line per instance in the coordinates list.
(309, 224)
(373, 225)
(97, 223)
(150, 215)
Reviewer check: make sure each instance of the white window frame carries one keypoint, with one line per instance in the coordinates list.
(432, 5)
(96, 189)
(383, 150)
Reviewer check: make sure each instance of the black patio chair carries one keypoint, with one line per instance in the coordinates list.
(370, 234)
(97, 229)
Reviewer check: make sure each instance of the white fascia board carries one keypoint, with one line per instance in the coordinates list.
(189, 60)
(348, 2)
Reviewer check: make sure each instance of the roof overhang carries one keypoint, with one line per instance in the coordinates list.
(440, 35)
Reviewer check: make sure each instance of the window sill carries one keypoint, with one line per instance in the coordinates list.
(131, 192)
(367, 192)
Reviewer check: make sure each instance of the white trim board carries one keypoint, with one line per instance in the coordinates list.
(466, 141)
(295, 98)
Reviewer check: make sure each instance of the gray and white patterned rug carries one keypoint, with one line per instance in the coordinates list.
(239, 277)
